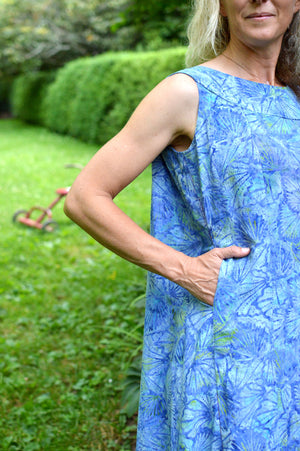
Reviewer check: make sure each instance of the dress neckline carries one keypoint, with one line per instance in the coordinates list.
(246, 94)
(241, 80)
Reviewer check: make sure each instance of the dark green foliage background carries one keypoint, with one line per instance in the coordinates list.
(5, 93)
(158, 24)
(46, 34)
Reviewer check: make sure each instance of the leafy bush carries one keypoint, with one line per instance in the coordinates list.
(92, 98)
(28, 92)
(80, 94)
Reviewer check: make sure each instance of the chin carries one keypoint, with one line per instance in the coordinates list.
(263, 38)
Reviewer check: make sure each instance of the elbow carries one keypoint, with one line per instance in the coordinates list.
(72, 206)
(81, 204)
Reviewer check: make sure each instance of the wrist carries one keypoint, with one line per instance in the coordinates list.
(177, 270)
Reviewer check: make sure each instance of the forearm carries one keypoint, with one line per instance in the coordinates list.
(110, 226)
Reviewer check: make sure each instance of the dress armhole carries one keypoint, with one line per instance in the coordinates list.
(191, 146)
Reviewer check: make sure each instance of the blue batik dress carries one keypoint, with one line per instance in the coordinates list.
(227, 377)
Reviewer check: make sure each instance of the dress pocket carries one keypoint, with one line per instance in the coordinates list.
(221, 278)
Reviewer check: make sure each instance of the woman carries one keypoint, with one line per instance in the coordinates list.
(221, 347)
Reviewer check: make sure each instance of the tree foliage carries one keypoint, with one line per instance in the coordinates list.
(45, 34)
(158, 23)
(42, 34)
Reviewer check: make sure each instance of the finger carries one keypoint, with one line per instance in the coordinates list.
(234, 252)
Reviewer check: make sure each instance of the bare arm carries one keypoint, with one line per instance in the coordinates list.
(166, 115)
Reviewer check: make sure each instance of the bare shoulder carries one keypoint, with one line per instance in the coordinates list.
(180, 87)
(176, 91)
(183, 82)
(170, 108)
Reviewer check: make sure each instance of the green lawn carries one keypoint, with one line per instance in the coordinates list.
(69, 326)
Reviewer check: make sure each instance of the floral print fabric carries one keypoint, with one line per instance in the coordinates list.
(227, 377)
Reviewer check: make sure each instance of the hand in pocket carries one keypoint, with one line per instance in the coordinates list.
(201, 273)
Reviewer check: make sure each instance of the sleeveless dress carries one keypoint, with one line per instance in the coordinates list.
(227, 377)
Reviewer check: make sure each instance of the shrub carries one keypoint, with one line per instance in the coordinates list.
(79, 95)
(28, 92)
(92, 98)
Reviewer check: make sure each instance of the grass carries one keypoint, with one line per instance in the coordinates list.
(69, 325)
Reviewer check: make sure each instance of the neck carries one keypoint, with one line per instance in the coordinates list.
(259, 64)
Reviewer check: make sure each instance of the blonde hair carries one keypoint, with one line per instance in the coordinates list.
(208, 32)
(209, 35)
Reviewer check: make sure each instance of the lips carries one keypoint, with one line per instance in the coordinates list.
(259, 15)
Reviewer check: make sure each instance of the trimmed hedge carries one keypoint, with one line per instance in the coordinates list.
(92, 98)
(28, 94)
(80, 95)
